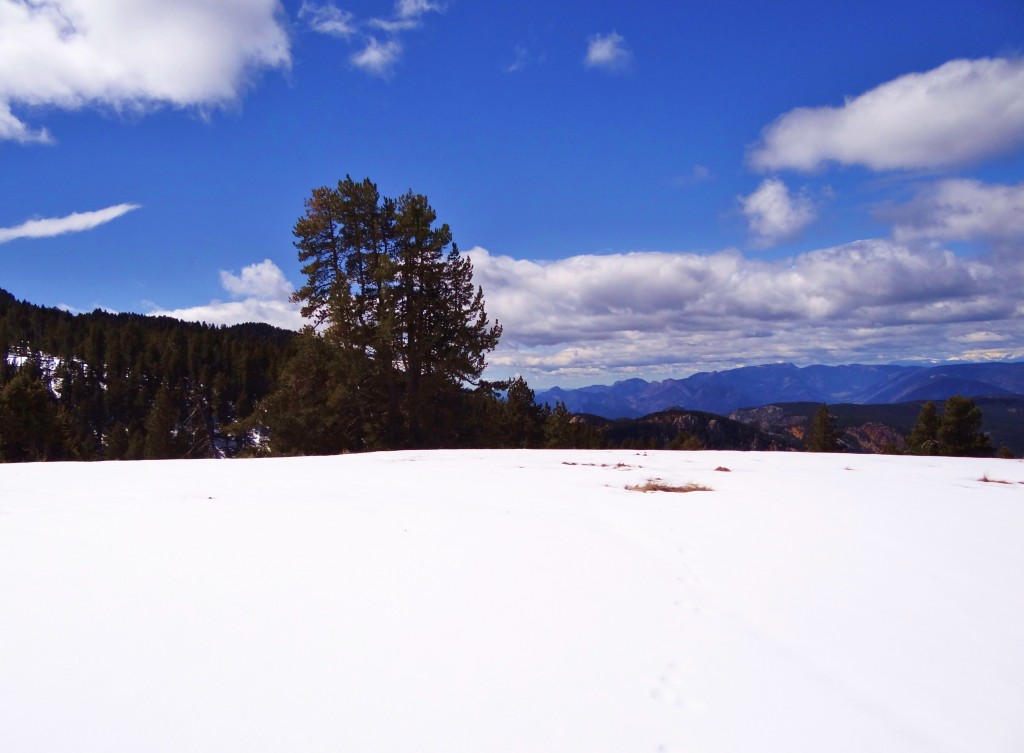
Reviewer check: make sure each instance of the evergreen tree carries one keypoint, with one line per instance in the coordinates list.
(924, 437)
(684, 440)
(960, 429)
(313, 411)
(558, 428)
(388, 289)
(31, 427)
(116, 442)
(161, 425)
(522, 419)
(824, 436)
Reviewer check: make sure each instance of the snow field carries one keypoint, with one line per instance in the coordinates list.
(456, 601)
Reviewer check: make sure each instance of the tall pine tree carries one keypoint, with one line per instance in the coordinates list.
(387, 287)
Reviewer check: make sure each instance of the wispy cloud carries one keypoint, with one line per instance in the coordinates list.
(71, 54)
(522, 59)
(264, 292)
(698, 174)
(607, 52)
(72, 223)
(406, 15)
(664, 314)
(328, 19)
(375, 57)
(416, 8)
(378, 58)
(958, 113)
(12, 129)
(774, 214)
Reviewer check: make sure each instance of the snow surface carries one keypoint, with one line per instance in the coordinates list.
(490, 601)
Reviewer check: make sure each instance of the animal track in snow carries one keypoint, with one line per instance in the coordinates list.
(669, 687)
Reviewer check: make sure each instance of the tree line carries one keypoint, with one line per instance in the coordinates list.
(392, 357)
(103, 386)
(956, 431)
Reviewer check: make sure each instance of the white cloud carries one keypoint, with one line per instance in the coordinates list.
(521, 61)
(328, 19)
(668, 314)
(407, 15)
(278, 313)
(131, 54)
(263, 280)
(72, 223)
(415, 8)
(774, 215)
(12, 129)
(958, 113)
(394, 25)
(265, 292)
(962, 210)
(607, 51)
(378, 58)
(698, 174)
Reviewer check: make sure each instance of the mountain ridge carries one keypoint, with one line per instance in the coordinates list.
(723, 392)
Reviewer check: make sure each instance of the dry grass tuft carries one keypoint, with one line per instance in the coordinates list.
(988, 480)
(658, 485)
(617, 466)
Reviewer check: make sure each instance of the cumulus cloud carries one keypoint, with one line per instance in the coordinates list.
(278, 313)
(264, 291)
(378, 58)
(131, 54)
(72, 223)
(669, 314)
(958, 113)
(774, 215)
(608, 52)
(962, 210)
(263, 280)
(328, 19)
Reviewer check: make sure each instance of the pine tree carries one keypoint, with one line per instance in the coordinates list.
(823, 437)
(388, 288)
(558, 428)
(924, 437)
(313, 411)
(522, 419)
(960, 429)
(161, 424)
(31, 427)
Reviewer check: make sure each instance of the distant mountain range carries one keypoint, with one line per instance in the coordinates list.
(723, 392)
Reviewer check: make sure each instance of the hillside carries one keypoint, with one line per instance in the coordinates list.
(725, 391)
(679, 430)
(879, 427)
(509, 601)
(122, 386)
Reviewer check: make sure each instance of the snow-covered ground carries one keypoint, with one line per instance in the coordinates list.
(484, 602)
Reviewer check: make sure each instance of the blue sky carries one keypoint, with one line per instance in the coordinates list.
(645, 189)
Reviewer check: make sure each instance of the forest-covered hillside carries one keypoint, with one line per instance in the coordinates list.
(113, 386)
